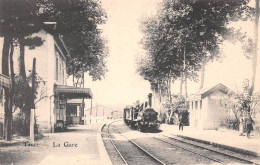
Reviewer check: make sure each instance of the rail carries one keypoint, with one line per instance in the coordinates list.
(205, 148)
(136, 145)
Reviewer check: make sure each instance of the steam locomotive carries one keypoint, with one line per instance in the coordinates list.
(143, 117)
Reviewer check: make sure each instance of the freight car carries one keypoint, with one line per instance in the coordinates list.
(143, 117)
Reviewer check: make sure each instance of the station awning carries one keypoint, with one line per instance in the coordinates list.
(71, 92)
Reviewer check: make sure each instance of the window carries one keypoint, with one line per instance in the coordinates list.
(57, 69)
(62, 74)
(200, 104)
(196, 104)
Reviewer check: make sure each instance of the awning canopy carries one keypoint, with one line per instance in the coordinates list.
(72, 92)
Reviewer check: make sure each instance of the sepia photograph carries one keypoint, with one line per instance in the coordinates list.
(134, 82)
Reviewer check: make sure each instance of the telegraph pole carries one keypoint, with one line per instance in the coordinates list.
(32, 104)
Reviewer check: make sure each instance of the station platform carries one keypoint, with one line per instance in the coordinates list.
(229, 139)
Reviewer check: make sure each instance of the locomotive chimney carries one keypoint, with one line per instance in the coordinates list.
(150, 99)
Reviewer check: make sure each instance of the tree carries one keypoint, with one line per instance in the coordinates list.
(19, 19)
(240, 103)
(78, 21)
(183, 37)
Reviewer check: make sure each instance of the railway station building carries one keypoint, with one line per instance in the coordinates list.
(53, 92)
(205, 107)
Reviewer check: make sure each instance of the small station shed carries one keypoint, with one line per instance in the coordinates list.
(205, 107)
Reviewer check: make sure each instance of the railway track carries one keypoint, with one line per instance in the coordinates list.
(211, 154)
(147, 148)
(129, 151)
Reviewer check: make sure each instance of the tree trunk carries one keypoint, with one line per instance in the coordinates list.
(185, 86)
(11, 96)
(170, 116)
(21, 59)
(5, 55)
(27, 107)
(255, 54)
(160, 91)
(181, 83)
(170, 89)
(202, 75)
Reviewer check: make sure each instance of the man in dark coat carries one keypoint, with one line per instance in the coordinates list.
(181, 123)
(249, 125)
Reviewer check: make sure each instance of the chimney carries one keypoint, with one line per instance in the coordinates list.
(150, 99)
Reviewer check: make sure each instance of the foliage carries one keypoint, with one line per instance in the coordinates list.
(21, 91)
(191, 29)
(78, 21)
(19, 17)
(230, 124)
(176, 109)
(19, 125)
(240, 103)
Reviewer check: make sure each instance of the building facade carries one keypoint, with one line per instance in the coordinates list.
(205, 107)
(51, 69)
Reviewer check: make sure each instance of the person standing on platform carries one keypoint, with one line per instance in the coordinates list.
(181, 123)
(249, 125)
(241, 125)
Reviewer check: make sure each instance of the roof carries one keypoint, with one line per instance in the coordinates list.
(208, 91)
(72, 92)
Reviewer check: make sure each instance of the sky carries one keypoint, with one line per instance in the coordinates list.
(123, 86)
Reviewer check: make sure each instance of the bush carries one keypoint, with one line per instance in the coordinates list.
(230, 124)
(21, 126)
(162, 118)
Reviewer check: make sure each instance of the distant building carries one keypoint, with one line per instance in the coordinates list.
(205, 107)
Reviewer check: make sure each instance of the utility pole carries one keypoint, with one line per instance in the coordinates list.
(32, 104)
